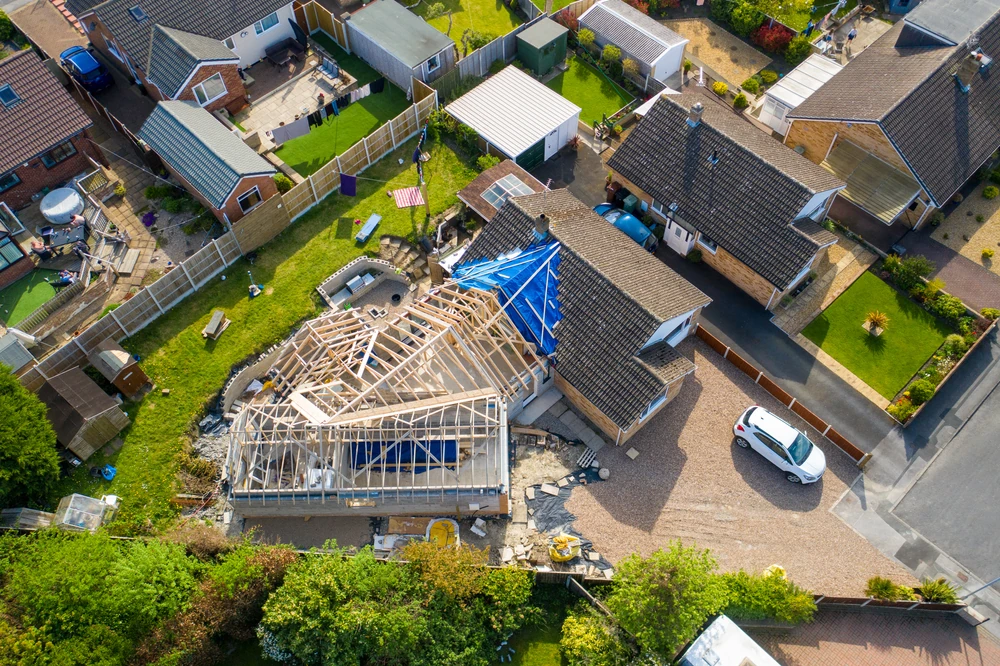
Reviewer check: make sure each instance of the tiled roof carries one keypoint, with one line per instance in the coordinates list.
(814, 232)
(46, 115)
(199, 148)
(400, 32)
(944, 135)
(746, 201)
(631, 30)
(664, 361)
(613, 297)
(472, 194)
(174, 54)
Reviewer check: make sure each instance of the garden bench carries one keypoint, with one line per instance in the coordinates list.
(369, 228)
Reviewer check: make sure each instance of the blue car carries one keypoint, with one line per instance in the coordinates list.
(84, 67)
(628, 223)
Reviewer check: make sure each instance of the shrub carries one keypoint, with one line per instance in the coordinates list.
(7, 29)
(29, 464)
(283, 182)
(630, 67)
(720, 88)
(513, 5)
(745, 18)
(988, 253)
(158, 191)
(920, 391)
(586, 37)
(120, 190)
(473, 39)
(829, 225)
(497, 65)
(770, 596)
(172, 205)
(990, 313)
(954, 346)
(937, 218)
(751, 85)
(615, 69)
(980, 218)
(639, 5)
(798, 50)
(876, 319)
(688, 65)
(947, 307)
(938, 591)
(694, 256)
(592, 639)
(721, 10)
(772, 38)
(484, 162)
(768, 76)
(991, 192)
(901, 411)
(566, 19)
(909, 271)
(611, 53)
(884, 589)
(740, 101)
(435, 10)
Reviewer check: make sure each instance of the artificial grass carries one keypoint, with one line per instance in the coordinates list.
(176, 357)
(796, 13)
(31, 292)
(490, 17)
(590, 90)
(886, 363)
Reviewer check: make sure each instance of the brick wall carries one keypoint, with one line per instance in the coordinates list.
(816, 136)
(262, 224)
(35, 176)
(267, 190)
(739, 274)
(236, 95)
(16, 271)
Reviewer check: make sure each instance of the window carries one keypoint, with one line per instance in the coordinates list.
(778, 449)
(677, 329)
(651, 407)
(9, 224)
(708, 243)
(508, 186)
(266, 23)
(8, 96)
(58, 154)
(230, 44)
(433, 63)
(8, 181)
(137, 13)
(210, 89)
(114, 50)
(248, 200)
(10, 252)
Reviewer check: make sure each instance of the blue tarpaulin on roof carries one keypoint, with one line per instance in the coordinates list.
(421, 456)
(526, 282)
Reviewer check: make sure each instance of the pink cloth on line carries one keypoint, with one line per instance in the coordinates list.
(407, 197)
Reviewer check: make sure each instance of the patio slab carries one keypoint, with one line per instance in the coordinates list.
(293, 99)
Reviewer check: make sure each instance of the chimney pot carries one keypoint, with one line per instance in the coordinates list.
(694, 115)
(541, 226)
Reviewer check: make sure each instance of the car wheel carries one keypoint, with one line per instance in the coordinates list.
(794, 478)
(742, 443)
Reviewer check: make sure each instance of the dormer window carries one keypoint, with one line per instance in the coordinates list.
(137, 13)
(8, 97)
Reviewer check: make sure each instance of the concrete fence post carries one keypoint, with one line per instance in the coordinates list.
(187, 275)
(119, 322)
(725, 354)
(155, 302)
(791, 404)
(759, 375)
(312, 186)
(364, 140)
(828, 426)
(215, 243)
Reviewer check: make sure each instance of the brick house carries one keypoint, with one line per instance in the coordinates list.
(622, 310)
(186, 49)
(213, 164)
(910, 119)
(718, 184)
(44, 141)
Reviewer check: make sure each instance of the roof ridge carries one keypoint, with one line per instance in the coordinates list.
(922, 81)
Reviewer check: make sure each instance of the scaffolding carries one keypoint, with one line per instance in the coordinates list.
(372, 417)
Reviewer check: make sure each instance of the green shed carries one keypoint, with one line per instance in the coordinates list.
(542, 46)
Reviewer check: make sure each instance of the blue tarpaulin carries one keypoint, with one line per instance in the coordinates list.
(422, 456)
(526, 282)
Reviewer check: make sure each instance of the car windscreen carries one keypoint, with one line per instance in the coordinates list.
(800, 449)
(92, 75)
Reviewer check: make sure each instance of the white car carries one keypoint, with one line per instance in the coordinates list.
(785, 447)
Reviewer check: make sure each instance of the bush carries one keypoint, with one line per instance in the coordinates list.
(721, 10)
(566, 19)
(768, 596)
(772, 38)
(720, 88)
(473, 39)
(988, 253)
(497, 65)
(901, 411)
(7, 29)
(630, 67)
(947, 307)
(798, 50)
(120, 191)
(768, 76)
(172, 205)
(611, 53)
(937, 218)
(688, 65)
(938, 591)
(29, 464)
(484, 162)
(591, 639)
(639, 5)
(745, 18)
(751, 85)
(740, 101)
(694, 256)
(920, 391)
(991, 192)
(876, 319)
(158, 191)
(884, 589)
(283, 182)
(615, 69)
(585, 37)
(908, 272)
(990, 313)
(435, 10)
(513, 5)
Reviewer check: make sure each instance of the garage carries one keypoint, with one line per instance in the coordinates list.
(518, 117)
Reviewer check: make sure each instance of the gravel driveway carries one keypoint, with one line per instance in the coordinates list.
(691, 482)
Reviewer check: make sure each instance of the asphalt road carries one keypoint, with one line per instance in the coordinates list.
(743, 324)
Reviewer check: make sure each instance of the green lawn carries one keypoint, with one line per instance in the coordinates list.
(796, 13)
(308, 153)
(887, 362)
(490, 17)
(538, 646)
(590, 90)
(176, 357)
(556, 5)
(26, 295)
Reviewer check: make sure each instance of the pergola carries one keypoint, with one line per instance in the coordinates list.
(368, 416)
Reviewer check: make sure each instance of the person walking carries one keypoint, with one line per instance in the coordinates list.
(852, 34)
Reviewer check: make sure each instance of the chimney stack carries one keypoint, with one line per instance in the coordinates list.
(541, 227)
(694, 115)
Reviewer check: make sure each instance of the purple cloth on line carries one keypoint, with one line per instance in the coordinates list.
(348, 185)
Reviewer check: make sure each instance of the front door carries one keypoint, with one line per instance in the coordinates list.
(552, 143)
(678, 239)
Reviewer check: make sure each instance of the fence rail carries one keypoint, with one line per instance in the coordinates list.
(860, 457)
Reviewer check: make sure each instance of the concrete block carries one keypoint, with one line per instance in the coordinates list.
(549, 489)
(558, 409)
(529, 492)
(632, 453)
(562, 483)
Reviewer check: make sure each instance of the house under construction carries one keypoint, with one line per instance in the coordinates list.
(366, 416)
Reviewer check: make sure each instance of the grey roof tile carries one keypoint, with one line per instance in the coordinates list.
(814, 232)
(631, 30)
(399, 31)
(199, 148)
(174, 54)
(46, 115)
(746, 202)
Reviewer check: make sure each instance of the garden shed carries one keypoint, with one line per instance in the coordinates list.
(657, 49)
(118, 367)
(84, 417)
(542, 46)
(517, 117)
(795, 88)
(398, 43)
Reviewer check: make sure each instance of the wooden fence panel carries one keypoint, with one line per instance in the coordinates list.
(327, 179)
(743, 365)
(768, 385)
(137, 311)
(171, 288)
(311, 17)
(300, 16)
(32, 322)
(325, 20)
(262, 224)
(102, 329)
(845, 444)
(711, 340)
(421, 91)
(298, 199)
(808, 416)
(579, 7)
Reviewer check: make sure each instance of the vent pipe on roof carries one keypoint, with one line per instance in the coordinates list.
(694, 115)
(541, 227)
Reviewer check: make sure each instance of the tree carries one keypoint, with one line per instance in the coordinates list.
(611, 53)
(457, 573)
(7, 29)
(663, 600)
(798, 50)
(721, 10)
(590, 639)
(435, 10)
(745, 18)
(29, 464)
(773, 38)
(630, 67)
(586, 37)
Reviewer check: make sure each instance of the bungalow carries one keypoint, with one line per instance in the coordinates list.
(45, 140)
(398, 43)
(748, 204)
(910, 119)
(657, 49)
(215, 166)
(619, 312)
(186, 49)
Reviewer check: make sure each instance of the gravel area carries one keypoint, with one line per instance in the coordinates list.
(726, 54)
(691, 482)
(964, 233)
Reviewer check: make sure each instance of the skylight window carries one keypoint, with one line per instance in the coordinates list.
(8, 97)
(137, 13)
(508, 186)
